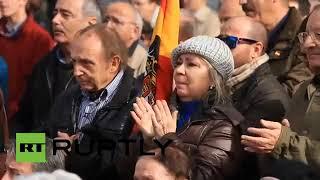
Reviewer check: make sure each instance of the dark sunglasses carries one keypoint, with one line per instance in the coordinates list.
(233, 41)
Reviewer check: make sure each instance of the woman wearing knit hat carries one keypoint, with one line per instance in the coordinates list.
(207, 125)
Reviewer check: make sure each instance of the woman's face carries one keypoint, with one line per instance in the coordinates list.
(191, 75)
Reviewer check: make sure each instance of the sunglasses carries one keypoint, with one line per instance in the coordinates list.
(233, 41)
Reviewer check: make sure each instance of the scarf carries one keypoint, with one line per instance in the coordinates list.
(186, 110)
(243, 72)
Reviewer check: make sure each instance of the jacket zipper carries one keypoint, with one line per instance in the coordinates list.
(189, 124)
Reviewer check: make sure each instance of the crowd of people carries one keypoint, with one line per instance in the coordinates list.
(245, 101)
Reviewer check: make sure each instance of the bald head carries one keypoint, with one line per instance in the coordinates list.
(246, 27)
(126, 10)
(125, 19)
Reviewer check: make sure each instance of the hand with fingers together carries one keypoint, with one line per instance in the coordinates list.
(265, 138)
(166, 122)
(144, 115)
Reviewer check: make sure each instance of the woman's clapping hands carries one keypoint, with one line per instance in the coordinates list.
(154, 121)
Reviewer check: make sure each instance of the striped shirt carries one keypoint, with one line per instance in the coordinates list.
(89, 108)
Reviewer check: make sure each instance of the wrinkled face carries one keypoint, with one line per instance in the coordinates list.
(311, 46)
(149, 169)
(9, 8)
(14, 168)
(68, 20)
(242, 54)
(91, 68)
(192, 79)
(260, 10)
(121, 18)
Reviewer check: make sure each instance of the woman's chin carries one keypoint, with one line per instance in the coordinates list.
(183, 95)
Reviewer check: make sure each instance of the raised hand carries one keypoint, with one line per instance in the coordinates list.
(143, 115)
(165, 121)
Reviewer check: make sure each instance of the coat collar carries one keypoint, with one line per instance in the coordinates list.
(286, 34)
(27, 25)
(124, 93)
(205, 111)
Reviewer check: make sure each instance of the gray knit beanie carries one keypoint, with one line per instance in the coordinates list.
(215, 51)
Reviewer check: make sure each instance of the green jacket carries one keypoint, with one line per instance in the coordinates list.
(298, 72)
(304, 120)
(292, 146)
(286, 60)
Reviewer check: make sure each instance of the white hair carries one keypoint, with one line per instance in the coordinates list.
(56, 175)
(91, 8)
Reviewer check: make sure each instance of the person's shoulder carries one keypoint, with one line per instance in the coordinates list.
(36, 30)
(294, 20)
(47, 61)
(265, 80)
(32, 24)
(227, 112)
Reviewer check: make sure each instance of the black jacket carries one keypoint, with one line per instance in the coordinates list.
(112, 122)
(259, 97)
(282, 42)
(44, 85)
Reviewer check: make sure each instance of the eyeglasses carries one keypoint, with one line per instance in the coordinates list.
(233, 41)
(304, 35)
(116, 21)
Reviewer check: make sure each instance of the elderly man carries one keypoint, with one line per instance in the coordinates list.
(148, 9)
(126, 21)
(23, 42)
(255, 90)
(280, 140)
(14, 168)
(207, 21)
(53, 74)
(282, 24)
(256, 93)
(97, 109)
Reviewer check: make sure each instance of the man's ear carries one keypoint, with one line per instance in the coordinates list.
(136, 32)
(92, 20)
(115, 64)
(258, 49)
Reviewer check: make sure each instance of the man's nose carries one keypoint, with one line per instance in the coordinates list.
(308, 42)
(77, 70)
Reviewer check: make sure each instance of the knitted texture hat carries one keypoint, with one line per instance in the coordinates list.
(213, 50)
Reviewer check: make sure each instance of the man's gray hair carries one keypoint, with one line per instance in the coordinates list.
(53, 163)
(91, 8)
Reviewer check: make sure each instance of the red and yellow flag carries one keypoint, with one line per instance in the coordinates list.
(158, 81)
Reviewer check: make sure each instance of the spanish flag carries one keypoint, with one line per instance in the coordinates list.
(158, 80)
